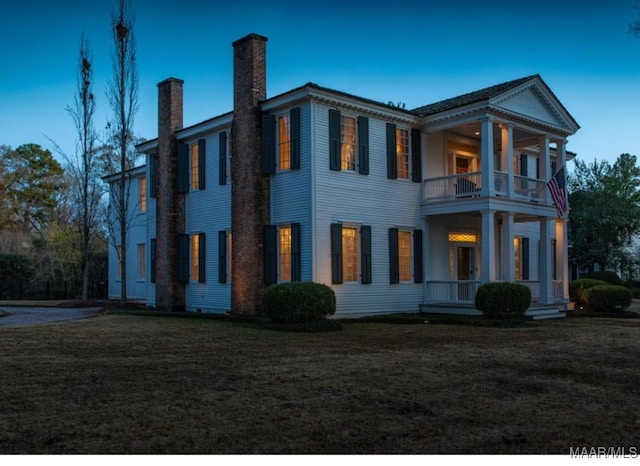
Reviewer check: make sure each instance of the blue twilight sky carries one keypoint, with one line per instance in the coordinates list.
(415, 52)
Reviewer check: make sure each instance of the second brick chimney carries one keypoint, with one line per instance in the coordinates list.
(249, 186)
(170, 212)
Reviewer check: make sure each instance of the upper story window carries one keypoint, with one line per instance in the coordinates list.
(142, 187)
(348, 143)
(195, 167)
(284, 142)
(402, 153)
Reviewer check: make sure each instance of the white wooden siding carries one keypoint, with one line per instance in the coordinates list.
(209, 211)
(291, 194)
(346, 196)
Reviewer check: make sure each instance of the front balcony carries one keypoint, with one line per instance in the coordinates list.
(469, 185)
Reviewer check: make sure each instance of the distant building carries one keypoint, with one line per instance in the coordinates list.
(397, 210)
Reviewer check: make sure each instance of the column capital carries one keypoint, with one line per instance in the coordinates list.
(506, 125)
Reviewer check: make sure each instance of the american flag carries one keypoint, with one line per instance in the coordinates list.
(557, 188)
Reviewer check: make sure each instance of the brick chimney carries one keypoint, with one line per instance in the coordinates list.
(249, 186)
(170, 205)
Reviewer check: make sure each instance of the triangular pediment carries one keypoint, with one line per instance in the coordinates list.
(534, 101)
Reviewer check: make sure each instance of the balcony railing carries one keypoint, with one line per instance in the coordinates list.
(469, 185)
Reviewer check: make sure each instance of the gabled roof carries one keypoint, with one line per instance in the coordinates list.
(472, 97)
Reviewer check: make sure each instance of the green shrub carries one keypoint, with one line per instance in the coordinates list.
(611, 278)
(609, 298)
(579, 289)
(298, 302)
(503, 301)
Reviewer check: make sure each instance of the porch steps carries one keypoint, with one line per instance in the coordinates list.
(535, 312)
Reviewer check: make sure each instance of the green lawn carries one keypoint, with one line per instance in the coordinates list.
(132, 384)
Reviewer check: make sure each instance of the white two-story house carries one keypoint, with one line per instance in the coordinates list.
(396, 210)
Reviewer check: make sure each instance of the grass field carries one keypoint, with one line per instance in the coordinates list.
(132, 384)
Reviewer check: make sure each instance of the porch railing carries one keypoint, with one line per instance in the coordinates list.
(453, 186)
(451, 291)
(464, 291)
(467, 185)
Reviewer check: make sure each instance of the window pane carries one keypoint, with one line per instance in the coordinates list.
(284, 142)
(195, 168)
(143, 194)
(285, 253)
(404, 255)
(195, 254)
(518, 255)
(350, 254)
(348, 148)
(402, 152)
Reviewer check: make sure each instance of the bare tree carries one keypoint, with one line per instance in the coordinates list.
(83, 167)
(634, 26)
(120, 156)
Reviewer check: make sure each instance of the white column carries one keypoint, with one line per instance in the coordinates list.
(507, 248)
(488, 246)
(486, 157)
(561, 153)
(562, 257)
(545, 263)
(506, 157)
(545, 164)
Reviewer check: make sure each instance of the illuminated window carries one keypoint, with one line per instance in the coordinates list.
(195, 257)
(348, 143)
(402, 152)
(195, 167)
(142, 186)
(142, 271)
(284, 253)
(463, 238)
(284, 142)
(350, 254)
(404, 255)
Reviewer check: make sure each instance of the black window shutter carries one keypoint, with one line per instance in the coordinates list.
(152, 259)
(363, 145)
(334, 140)
(525, 258)
(416, 156)
(365, 254)
(537, 168)
(183, 258)
(554, 259)
(202, 164)
(417, 256)
(524, 169)
(394, 260)
(392, 164)
(222, 158)
(294, 147)
(202, 257)
(222, 256)
(183, 168)
(270, 254)
(336, 253)
(153, 189)
(295, 253)
(268, 144)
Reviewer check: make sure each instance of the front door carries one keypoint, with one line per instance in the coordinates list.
(465, 265)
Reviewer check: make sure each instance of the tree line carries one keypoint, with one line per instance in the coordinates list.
(53, 216)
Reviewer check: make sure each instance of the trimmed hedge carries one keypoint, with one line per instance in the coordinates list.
(503, 301)
(579, 289)
(609, 298)
(298, 302)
